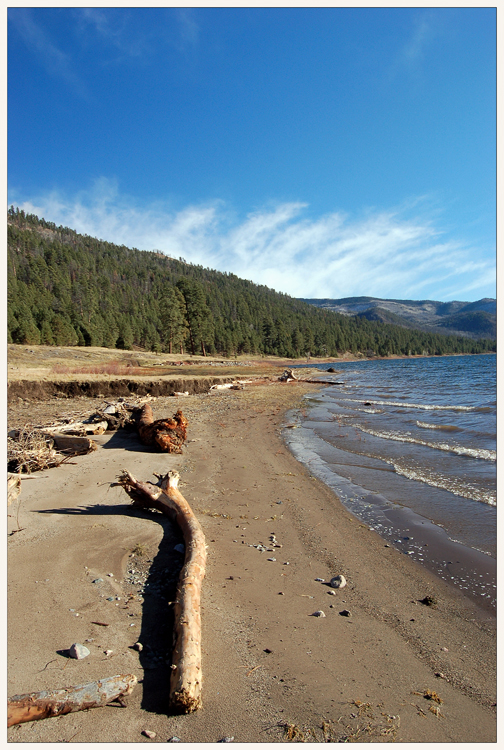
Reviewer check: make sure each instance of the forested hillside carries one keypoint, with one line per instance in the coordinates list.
(69, 289)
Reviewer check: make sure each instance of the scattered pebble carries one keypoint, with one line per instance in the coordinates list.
(268, 651)
(286, 563)
(78, 651)
(138, 646)
(332, 593)
(338, 582)
(108, 652)
(110, 598)
(110, 575)
(148, 733)
(281, 593)
(174, 739)
(226, 739)
(318, 613)
(272, 559)
(98, 580)
(345, 613)
(320, 580)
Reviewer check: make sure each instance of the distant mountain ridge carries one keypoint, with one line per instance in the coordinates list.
(474, 319)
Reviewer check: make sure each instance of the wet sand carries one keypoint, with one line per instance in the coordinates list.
(272, 671)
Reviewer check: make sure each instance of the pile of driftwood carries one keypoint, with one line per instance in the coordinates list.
(34, 448)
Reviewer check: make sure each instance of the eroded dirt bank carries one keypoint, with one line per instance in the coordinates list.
(39, 390)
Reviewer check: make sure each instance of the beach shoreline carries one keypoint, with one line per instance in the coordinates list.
(270, 667)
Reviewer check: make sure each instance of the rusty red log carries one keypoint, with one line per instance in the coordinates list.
(167, 435)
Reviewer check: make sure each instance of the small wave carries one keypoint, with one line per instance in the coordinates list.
(445, 427)
(436, 480)
(459, 450)
(406, 405)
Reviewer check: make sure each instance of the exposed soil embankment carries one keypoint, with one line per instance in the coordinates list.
(41, 390)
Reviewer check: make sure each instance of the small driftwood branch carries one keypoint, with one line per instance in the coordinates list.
(33, 706)
(167, 435)
(186, 677)
(13, 487)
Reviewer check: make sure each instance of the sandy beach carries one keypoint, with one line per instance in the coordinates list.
(79, 554)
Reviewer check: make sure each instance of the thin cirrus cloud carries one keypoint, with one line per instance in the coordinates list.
(53, 60)
(383, 254)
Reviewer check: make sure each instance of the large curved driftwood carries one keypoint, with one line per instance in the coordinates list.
(32, 706)
(186, 677)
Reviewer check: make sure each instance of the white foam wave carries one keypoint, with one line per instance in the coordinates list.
(446, 427)
(407, 405)
(445, 483)
(459, 450)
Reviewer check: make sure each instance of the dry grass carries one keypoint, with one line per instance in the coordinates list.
(108, 368)
(30, 451)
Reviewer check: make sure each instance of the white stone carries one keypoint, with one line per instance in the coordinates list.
(78, 651)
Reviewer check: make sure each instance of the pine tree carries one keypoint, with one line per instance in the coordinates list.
(198, 315)
(174, 327)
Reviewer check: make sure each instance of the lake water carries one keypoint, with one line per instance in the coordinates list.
(409, 446)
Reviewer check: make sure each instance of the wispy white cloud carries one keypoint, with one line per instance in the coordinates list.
(113, 27)
(54, 60)
(411, 54)
(422, 35)
(383, 254)
(188, 27)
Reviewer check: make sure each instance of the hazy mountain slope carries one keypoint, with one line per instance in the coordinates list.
(475, 319)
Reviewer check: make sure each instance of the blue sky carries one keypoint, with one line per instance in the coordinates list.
(326, 152)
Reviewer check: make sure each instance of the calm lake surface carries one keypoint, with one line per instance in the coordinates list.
(409, 446)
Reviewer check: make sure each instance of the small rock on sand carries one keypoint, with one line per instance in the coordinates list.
(318, 613)
(78, 651)
(148, 733)
(338, 582)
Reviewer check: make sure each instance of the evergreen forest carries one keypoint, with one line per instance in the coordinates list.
(67, 289)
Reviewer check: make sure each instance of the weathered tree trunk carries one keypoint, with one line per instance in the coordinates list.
(74, 444)
(186, 678)
(32, 706)
(167, 435)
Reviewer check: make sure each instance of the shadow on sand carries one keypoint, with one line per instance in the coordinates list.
(159, 591)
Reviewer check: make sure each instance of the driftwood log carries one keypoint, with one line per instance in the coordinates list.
(186, 676)
(76, 445)
(32, 706)
(167, 435)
